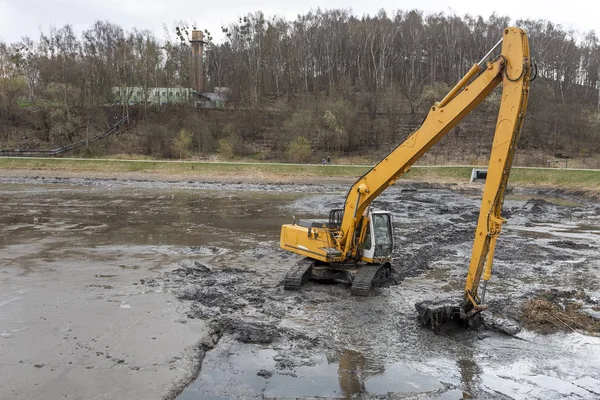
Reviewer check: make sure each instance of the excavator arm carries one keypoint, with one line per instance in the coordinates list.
(335, 245)
(512, 68)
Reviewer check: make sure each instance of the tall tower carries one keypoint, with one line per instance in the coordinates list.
(197, 49)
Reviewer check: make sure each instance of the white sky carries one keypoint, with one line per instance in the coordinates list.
(28, 17)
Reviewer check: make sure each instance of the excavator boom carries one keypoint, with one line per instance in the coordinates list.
(341, 240)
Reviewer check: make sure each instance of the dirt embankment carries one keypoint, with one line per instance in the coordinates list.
(581, 183)
(166, 176)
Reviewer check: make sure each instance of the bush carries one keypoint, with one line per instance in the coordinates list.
(226, 148)
(302, 123)
(343, 113)
(299, 150)
(203, 138)
(333, 137)
(182, 143)
(231, 144)
(155, 138)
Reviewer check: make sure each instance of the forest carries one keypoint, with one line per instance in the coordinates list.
(326, 84)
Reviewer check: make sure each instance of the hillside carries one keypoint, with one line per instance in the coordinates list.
(328, 84)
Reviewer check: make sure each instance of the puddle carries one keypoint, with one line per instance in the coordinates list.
(587, 233)
(248, 371)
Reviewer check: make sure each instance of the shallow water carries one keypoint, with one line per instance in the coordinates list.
(232, 373)
(125, 216)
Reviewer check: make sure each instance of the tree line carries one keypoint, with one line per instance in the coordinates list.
(341, 81)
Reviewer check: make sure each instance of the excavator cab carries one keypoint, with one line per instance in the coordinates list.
(379, 238)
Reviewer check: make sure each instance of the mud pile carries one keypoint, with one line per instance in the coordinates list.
(236, 303)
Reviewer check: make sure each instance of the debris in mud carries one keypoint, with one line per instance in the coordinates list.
(556, 310)
(253, 333)
(212, 296)
(503, 325)
(150, 282)
(557, 295)
(246, 332)
(263, 373)
(285, 364)
(437, 314)
(537, 206)
(100, 286)
(123, 266)
(195, 270)
(207, 250)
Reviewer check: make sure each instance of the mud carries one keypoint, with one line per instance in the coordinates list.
(212, 249)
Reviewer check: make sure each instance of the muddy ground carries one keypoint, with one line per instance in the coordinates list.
(142, 289)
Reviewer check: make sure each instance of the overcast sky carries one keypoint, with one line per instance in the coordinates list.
(28, 17)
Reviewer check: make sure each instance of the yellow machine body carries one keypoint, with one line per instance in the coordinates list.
(317, 245)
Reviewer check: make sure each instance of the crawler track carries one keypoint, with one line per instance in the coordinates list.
(298, 275)
(368, 277)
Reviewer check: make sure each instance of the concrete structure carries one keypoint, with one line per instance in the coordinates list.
(478, 174)
(197, 60)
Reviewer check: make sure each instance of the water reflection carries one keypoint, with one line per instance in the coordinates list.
(350, 371)
(231, 371)
(143, 217)
(470, 374)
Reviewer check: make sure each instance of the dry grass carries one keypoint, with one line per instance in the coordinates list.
(546, 316)
(587, 181)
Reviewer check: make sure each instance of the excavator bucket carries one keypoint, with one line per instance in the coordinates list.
(445, 314)
(435, 314)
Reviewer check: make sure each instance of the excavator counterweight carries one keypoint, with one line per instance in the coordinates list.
(355, 244)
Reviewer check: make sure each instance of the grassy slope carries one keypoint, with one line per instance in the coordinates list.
(570, 178)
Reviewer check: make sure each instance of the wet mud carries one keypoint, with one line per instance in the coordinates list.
(276, 344)
(224, 271)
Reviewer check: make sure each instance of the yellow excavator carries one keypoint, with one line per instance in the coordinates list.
(355, 243)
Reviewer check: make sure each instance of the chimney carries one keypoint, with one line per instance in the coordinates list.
(197, 48)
